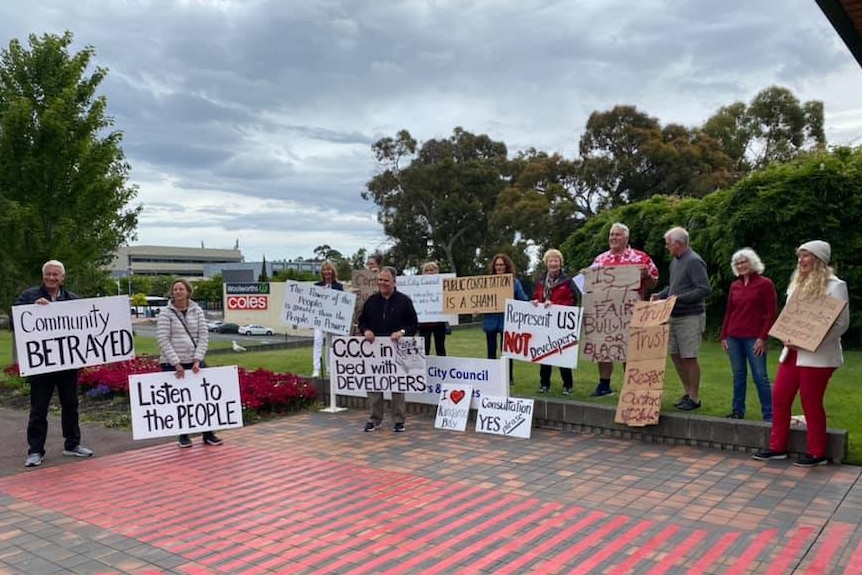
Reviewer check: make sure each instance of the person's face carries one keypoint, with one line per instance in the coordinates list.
(327, 274)
(180, 292)
(673, 246)
(53, 277)
(372, 265)
(430, 271)
(805, 262)
(743, 266)
(499, 266)
(385, 284)
(617, 240)
(554, 264)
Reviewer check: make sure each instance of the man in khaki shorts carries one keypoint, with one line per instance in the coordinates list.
(689, 282)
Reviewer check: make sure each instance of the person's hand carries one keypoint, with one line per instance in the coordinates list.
(724, 344)
(535, 302)
(759, 347)
(396, 335)
(42, 301)
(654, 297)
(548, 303)
(369, 335)
(644, 272)
(180, 373)
(196, 366)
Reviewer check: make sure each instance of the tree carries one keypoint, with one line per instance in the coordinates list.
(262, 277)
(437, 205)
(64, 191)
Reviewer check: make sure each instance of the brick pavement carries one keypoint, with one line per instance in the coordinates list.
(313, 494)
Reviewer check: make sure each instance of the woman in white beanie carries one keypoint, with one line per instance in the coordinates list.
(804, 371)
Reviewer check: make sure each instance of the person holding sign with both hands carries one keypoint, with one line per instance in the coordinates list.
(555, 287)
(183, 340)
(808, 372)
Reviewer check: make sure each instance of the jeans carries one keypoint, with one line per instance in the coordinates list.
(741, 351)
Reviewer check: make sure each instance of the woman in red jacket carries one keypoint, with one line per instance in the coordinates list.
(555, 287)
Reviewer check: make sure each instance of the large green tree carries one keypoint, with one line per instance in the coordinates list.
(64, 191)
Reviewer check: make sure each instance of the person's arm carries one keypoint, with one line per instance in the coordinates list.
(769, 298)
(410, 323)
(163, 338)
(203, 337)
(842, 322)
(728, 310)
(520, 294)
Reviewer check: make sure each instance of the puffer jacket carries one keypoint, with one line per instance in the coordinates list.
(176, 346)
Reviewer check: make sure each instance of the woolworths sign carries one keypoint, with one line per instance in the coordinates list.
(261, 288)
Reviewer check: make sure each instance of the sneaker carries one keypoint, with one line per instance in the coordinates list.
(734, 415)
(371, 426)
(602, 392)
(544, 389)
(211, 438)
(809, 460)
(399, 428)
(78, 451)
(682, 401)
(33, 460)
(688, 405)
(567, 391)
(184, 441)
(769, 455)
(315, 373)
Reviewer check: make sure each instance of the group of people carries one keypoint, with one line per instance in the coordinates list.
(752, 308)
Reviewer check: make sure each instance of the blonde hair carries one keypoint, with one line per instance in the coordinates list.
(328, 265)
(812, 284)
(186, 283)
(552, 253)
(430, 268)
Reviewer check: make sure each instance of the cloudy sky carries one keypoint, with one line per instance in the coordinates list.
(252, 120)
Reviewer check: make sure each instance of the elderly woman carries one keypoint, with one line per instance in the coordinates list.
(752, 306)
(492, 323)
(808, 372)
(183, 340)
(328, 280)
(555, 287)
(437, 329)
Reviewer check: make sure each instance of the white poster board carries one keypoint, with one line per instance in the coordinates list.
(317, 307)
(72, 334)
(540, 334)
(358, 366)
(426, 293)
(164, 406)
(453, 408)
(509, 416)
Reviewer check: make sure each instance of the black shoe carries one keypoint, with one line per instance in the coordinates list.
(689, 405)
(734, 415)
(544, 389)
(602, 392)
(399, 428)
(184, 441)
(681, 401)
(371, 426)
(211, 439)
(769, 455)
(809, 460)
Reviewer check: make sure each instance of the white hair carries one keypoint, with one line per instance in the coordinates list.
(54, 264)
(747, 254)
(621, 227)
(677, 235)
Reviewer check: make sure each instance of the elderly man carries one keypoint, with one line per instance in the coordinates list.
(689, 282)
(622, 254)
(42, 385)
(387, 313)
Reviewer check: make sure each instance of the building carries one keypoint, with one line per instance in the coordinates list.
(249, 271)
(170, 260)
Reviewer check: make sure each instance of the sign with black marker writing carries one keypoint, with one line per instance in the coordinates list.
(540, 334)
(509, 416)
(317, 307)
(610, 295)
(477, 294)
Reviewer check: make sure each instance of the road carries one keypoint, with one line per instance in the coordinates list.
(149, 329)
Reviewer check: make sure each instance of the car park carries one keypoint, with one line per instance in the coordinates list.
(213, 325)
(255, 329)
(227, 328)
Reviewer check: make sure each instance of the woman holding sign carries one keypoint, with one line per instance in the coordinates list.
(437, 329)
(492, 323)
(328, 280)
(808, 372)
(183, 339)
(555, 287)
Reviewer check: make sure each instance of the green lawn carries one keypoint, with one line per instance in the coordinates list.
(716, 384)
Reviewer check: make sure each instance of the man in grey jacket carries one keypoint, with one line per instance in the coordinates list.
(689, 282)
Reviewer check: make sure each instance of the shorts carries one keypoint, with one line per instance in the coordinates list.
(686, 333)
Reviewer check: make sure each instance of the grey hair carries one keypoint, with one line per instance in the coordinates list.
(54, 264)
(753, 260)
(391, 271)
(677, 234)
(621, 227)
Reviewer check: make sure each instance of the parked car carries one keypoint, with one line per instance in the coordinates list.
(213, 325)
(255, 329)
(227, 328)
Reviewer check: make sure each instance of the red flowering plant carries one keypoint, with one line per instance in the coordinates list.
(113, 378)
(263, 390)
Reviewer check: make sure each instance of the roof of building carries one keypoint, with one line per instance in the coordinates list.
(846, 17)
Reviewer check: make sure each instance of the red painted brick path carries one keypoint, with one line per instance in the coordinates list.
(313, 494)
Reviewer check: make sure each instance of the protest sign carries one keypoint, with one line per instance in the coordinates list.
(643, 382)
(72, 334)
(540, 334)
(509, 416)
(426, 293)
(359, 366)
(363, 283)
(163, 405)
(477, 294)
(805, 322)
(317, 307)
(610, 295)
(453, 409)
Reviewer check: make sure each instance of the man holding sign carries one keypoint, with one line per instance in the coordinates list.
(388, 313)
(42, 385)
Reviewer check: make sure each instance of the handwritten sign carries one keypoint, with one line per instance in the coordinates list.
(453, 409)
(72, 334)
(609, 300)
(426, 293)
(540, 334)
(643, 382)
(477, 294)
(163, 405)
(805, 322)
(359, 366)
(363, 283)
(509, 416)
(326, 309)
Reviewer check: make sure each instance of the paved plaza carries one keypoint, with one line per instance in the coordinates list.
(313, 494)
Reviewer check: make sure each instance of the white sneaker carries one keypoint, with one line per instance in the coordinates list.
(79, 451)
(33, 460)
(315, 373)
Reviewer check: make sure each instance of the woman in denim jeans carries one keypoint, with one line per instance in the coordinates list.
(752, 306)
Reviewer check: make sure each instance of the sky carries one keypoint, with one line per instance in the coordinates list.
(252, 121)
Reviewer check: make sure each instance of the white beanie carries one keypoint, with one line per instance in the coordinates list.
(821, 250)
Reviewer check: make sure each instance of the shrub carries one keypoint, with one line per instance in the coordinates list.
(115, 376)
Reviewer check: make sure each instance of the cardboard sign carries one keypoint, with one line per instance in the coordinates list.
(540, 334)
(163, 405)
(477, 294)
(363, 283)
(609, 302)
(804, 323)
(453, 409)
(317, 307)
(509, 416)
(72, 334)
(653, 313)
(426, 293)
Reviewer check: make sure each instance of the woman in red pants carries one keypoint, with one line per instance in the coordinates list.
(804, 371)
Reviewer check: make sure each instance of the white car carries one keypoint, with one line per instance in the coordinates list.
(255, 329)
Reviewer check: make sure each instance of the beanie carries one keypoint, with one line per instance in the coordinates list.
(821, 250)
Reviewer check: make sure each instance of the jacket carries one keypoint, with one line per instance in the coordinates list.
(829, 354)
(176, 346)
(386, 316)
(564, 293)
(493, 322)
(334, 285)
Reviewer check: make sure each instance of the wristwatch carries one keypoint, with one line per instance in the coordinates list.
(403, 332)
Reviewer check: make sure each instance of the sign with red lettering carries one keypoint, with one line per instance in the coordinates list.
(540, 334)
(248, 302)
